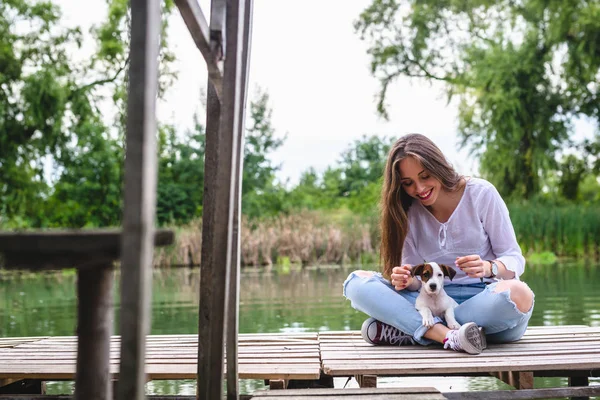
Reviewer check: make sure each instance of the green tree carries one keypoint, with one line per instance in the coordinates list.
(180, 174)
(522, 72)
(260, 192)
(181, 168)
(362, 164)
(56, 153)
(35, 91)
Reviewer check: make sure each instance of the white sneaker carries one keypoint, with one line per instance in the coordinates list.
(469, 338)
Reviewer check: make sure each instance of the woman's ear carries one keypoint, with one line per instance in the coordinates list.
(418, 270)
(448, 271)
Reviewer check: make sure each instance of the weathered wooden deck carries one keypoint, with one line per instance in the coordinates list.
(304, 358)
(260, 356)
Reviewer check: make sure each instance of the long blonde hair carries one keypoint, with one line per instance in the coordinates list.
(394, 200)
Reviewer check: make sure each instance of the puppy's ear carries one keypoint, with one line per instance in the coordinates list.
(418, 270)
(448, 271)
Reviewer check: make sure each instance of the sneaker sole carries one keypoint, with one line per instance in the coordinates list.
(472, 340)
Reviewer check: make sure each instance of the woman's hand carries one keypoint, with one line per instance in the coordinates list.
(472, 265)
(401, 277)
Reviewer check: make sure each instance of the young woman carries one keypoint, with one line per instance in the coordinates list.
(431, 213)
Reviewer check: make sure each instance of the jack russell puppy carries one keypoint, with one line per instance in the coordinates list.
(433, 300)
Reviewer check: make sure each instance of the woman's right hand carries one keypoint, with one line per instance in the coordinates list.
(401, 277)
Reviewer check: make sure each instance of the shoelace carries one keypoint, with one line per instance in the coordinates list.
(451, 341)
(394, 336)
(389, 333)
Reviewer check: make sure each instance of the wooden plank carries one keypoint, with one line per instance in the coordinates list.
(167, 371)
(524, 394)
(56, 249)
(76, 241)
(139, 197)
(406, 369)
(350, 394)
(94, 328)
(194, 19)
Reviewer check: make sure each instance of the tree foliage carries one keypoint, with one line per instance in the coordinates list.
(522, 72)
(56, 151)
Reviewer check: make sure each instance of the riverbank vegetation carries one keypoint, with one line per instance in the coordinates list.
(61, 154)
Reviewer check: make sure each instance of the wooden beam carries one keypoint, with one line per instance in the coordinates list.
(94, 329)
(76, 241)
(194, 19)
(525, 394)
(139, 198)
(244, 34)
(219, 203)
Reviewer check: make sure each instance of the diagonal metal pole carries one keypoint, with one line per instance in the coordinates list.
(244, 40)
(139, 198)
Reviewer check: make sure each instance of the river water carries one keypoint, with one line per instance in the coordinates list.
(281, 300)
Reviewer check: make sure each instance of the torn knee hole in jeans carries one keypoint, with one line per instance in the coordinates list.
(506, 292)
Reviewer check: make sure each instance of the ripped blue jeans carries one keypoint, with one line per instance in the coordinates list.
(495, 312)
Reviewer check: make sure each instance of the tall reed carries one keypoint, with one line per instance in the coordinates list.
(570, 231)
(342, 237)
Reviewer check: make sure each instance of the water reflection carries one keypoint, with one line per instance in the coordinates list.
(279, 300)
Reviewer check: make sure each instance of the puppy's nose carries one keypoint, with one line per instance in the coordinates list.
(432, 286)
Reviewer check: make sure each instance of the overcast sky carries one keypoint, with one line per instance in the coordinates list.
(306, 56)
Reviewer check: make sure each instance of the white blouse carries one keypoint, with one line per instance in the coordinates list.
(480, 224)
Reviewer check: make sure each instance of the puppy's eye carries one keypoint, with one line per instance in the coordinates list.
(426, 274)
(440, 274)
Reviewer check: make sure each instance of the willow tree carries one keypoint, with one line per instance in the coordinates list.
(522, 70)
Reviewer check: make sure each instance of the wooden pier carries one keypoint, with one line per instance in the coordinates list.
(313, 359)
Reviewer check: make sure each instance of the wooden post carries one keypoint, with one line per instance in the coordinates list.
(277, 384)
(217, 232)
(139, 198)
(521, 379)
(210, 349)
(234, 280)
(575, 381)
(366, 381)
(94, 329)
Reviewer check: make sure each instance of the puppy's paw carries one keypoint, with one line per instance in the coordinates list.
(454, 325)
(428, 322)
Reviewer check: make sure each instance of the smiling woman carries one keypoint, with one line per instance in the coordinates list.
(431, 213)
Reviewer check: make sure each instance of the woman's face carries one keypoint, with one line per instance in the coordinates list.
(418, 182)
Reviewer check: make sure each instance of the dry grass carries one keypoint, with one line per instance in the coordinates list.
(304, 238)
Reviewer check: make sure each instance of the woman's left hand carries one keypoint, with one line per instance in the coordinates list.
(472, 265)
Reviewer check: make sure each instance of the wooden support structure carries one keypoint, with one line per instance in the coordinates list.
(224, 45)
(92, 253)
(366, 381)
(94, 329)
(516, 379)
(415, 393)
(227, 37)
(198, 26)
(139, 197)
(232, 298)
